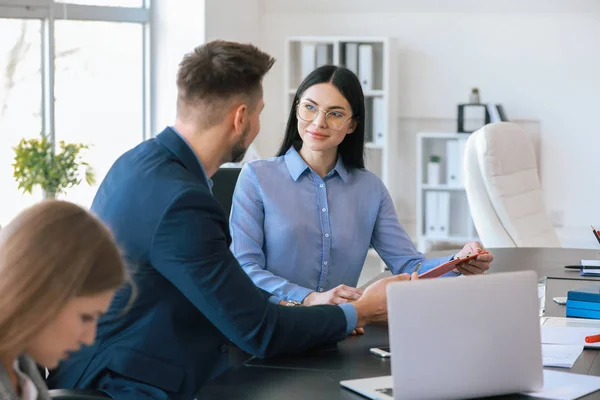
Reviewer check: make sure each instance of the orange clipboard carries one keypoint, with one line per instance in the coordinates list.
(448, 266)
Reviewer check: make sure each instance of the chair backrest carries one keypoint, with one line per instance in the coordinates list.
(503, 189)
(223, 186)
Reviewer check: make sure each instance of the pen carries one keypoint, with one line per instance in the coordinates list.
(595, 234)
(592, 339)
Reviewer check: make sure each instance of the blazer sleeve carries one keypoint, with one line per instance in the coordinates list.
(190, 249)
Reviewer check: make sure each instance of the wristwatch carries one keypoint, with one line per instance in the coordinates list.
(292, 303)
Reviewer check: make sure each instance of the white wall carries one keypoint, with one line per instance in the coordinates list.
(177, 27)
(539, 58)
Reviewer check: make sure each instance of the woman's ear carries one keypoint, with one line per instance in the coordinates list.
(352, 126)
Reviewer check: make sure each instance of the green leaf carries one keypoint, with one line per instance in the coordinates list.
(36, 164)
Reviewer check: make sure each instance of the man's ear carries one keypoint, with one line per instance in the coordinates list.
(240, 118)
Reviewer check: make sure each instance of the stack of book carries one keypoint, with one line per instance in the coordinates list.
(590, 267)
(584, 302)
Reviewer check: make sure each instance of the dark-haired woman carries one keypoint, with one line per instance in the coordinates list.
(302, 222)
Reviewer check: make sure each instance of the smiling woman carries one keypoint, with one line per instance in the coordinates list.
(302, 223)
(59, 269)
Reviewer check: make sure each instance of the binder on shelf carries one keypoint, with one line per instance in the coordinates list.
(461, 155)
(308, 59)
(322, 57)
(443, 214)
(351, 61)
(452, 162)
(378, 121)
(431, 208)
(365, 66)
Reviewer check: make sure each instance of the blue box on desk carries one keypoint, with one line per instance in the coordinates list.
(590, 293)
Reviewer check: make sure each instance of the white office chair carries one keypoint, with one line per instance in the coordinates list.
(503, 189)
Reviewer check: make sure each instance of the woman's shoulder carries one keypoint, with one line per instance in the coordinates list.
(364, 176)
(266, 167)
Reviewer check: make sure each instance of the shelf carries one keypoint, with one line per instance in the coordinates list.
(370, 145)
(442, 187)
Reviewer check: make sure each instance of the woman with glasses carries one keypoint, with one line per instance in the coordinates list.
(302, 222)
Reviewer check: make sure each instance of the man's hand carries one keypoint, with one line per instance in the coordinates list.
(338, 295)
(372, 306)
(477, 265)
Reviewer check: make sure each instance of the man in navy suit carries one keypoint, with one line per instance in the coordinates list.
(193, 298)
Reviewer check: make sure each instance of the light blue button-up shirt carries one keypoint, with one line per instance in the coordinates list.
(348, 309)
(294, 232)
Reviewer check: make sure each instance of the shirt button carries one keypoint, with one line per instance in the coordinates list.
(323, 209)
(224, 348)
(321, 185)
(320, 289)
(325, 263)
(327, 235)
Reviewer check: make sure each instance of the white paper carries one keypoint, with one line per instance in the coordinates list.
(560, 355)
(568, 335)
(590, 263)
(566, 386)
(571, 322)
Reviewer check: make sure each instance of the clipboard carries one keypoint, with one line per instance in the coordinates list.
(448, 266)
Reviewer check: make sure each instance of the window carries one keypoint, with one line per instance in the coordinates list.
(112, 3)
(98, 93)
(20, 104)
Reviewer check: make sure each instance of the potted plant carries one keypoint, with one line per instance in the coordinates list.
(36, 163)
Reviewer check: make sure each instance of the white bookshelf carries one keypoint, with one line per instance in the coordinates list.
(455, 228)
(382, 90)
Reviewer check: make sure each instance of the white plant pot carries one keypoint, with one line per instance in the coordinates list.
(433, 173)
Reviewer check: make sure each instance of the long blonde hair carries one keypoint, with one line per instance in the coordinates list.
(49, 254)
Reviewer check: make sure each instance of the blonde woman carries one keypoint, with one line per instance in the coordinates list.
(59, 269)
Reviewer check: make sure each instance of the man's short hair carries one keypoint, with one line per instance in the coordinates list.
(216, 72)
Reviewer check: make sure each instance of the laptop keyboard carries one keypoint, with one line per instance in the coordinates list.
(387, 391)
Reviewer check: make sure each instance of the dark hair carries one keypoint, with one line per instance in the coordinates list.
(218, 70)
(353, 146)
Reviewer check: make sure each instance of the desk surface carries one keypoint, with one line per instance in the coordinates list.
(316, 374)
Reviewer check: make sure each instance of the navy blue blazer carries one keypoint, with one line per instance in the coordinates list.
(192, 295)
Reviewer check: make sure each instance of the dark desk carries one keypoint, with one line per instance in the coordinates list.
(316, 374)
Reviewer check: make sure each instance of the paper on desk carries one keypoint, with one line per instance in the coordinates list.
(590, 263)
(568, 335)
(566, 386)
(560, 355)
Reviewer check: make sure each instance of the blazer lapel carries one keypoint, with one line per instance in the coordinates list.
(171, 140)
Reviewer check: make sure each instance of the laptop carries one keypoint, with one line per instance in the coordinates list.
(461, 337)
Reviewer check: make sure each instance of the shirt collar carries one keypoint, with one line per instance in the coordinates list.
(296, 165)
(208, 180)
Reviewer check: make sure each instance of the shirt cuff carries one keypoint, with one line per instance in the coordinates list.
(274, 299)
(298, 294)
(351, 317)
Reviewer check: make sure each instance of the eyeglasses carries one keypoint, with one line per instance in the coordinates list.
(308, 112)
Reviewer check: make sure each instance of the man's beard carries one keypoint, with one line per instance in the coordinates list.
(239, 151)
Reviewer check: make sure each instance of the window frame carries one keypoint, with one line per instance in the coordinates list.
(48, 12)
